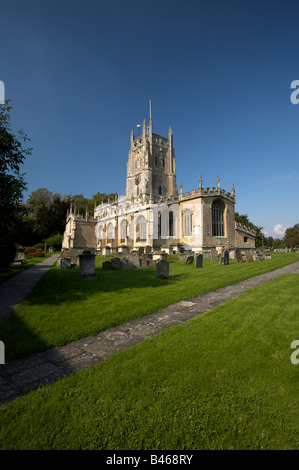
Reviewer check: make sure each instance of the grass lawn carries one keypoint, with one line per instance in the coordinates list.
(62, 308)
(223, 380)
(16, 269)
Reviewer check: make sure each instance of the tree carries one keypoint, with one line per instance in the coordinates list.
(48, 211)
(12, 183)
(291, 236)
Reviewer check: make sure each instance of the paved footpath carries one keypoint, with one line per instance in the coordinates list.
(13, 291)
(22, 376)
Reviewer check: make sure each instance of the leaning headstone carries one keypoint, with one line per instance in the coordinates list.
(133, 260)
(162, 269)
(239, 256)
(214, 256)
(116, 263)
(87, 266)
(107, 266)
(189, 259)
(199, 260)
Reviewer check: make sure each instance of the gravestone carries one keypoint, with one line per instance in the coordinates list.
(239, 256)
(248, 255)
(20, 256)
(189, 259)
(116, 263)
(199, 260)
(162, 269)
(226, 257)
(87, 266)
(214, 256)
(133, 260)
(65, 263)
(148, 249)
(140, 250)
(124, 263)
(143, 263)
(107, 266)
(182, 256)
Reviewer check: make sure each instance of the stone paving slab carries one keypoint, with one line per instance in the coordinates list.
(14, 290)
(19, 377)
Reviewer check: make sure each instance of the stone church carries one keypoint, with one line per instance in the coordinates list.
(154, 215)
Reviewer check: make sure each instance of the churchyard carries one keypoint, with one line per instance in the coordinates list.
(220, 380)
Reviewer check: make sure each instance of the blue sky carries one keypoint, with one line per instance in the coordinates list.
(80, 76)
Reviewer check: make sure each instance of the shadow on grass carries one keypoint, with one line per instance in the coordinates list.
(61, 286)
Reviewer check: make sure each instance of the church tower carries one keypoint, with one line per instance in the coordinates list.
(151, 164)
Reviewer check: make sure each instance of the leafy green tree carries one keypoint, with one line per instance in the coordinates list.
(55, 241)
(291, 236)
(12, 183)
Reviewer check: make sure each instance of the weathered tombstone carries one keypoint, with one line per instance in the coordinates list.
(107, 251)
(140, 250)
(248, 255)
(124, 263)
(133, 260)
(115, 263)
(87, 266)
(20, 256)
(148, 249)
(239, 256)
(143, 263)
(226, 257)
(182, 256)
(65, 263)
(214, 256)
(199, 260)
(162, 269)
(107, 266)
(189, 259)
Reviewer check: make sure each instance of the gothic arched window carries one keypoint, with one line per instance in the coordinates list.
(110, 232)
(123, 231)
(171, 224)
(141, 232)
(187, 223)
(218, 219)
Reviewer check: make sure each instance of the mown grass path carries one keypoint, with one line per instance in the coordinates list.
(61, 308)
(223, 380)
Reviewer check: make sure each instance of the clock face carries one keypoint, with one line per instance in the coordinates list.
(137, 179)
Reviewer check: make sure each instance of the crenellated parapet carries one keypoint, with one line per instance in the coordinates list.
(208, 192)
(244, 229)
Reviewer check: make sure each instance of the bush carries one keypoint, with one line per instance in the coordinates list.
(32, 252)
